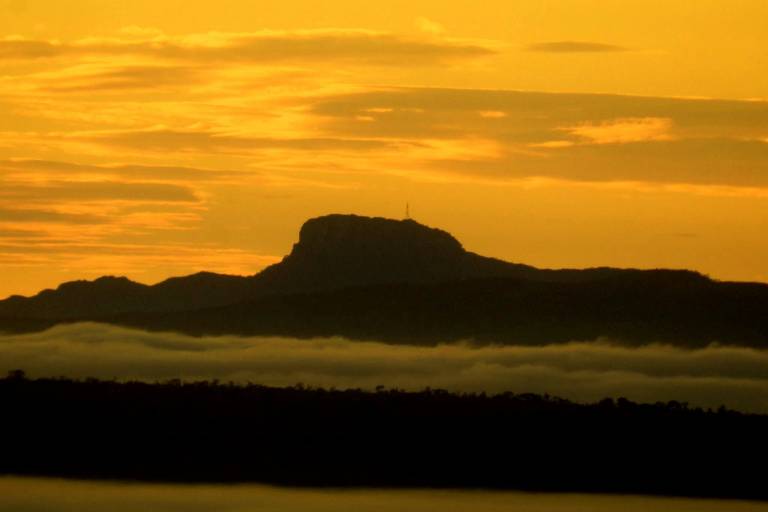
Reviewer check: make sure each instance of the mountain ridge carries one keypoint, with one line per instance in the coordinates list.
(403, 282)
(333, 251)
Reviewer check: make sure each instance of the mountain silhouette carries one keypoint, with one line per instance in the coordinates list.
(342, 251)
(333, 252)
(209, 432)
(403, 282)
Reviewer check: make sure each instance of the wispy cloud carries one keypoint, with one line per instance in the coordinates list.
(99, 191)
(44, 215)
(580, 137)
(574, 47)
(19, 48)
(111, 78)
(351, 45)
(429, 26)
(34, 169)
(622, 131)
(163, 139)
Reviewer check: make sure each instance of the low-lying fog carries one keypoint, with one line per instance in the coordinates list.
(736, 377)
(48, 495)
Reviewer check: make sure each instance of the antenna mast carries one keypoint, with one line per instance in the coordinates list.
(407, 211)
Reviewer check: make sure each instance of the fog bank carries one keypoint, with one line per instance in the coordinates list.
(49, 495)
(736, 377)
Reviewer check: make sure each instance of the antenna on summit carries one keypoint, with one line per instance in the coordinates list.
(407, 211)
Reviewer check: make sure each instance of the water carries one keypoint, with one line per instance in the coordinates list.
(50, 495)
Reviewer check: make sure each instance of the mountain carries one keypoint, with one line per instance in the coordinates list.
(403, 282)
(342, 251)
(333, 252)
(636, 309)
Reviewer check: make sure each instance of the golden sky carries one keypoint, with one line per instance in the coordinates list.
(153, 138)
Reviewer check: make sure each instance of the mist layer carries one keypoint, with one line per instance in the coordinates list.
(585, 372)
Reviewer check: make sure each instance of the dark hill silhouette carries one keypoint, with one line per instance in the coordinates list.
(210, 432)
(636, 309)
(342, 251)
(113, 295)
(333, 252)
(400, 281)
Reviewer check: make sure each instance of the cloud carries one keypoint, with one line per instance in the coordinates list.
(98, 191)
(579, 371)
(56, 207)
(622, 131)
(34, 169)
(574, 47)
(722, 161)
(701, 166)
(70, 220)
(12, 233)
(449, 112)
(437, 113)
(41, 215)
(429, 26)
(580, 137)
(362, 47)
(17, 48)
(182, 141)
(492, 114)
(118, 78)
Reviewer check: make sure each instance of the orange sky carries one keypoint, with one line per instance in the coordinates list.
(160, 137)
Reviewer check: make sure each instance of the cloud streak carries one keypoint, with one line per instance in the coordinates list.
(708, 377)
(34, 169)
(574, 47)
(99, 191)
(622, 131)
(363, 47)
(213, 142)
(597, 138)
(94, 79)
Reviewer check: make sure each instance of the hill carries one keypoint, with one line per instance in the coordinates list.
(210, 432)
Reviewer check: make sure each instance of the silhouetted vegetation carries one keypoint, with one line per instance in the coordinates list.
(211, 431)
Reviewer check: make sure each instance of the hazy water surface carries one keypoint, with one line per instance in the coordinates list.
(49, 495)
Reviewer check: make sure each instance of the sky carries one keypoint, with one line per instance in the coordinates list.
(155, 138)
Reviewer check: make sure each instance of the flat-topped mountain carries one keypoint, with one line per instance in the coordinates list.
(401, 281)
(333, 252)
(341, 251)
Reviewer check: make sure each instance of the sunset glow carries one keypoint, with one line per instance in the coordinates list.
(137, 141)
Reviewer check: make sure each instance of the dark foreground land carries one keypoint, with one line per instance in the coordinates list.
(195, 432)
